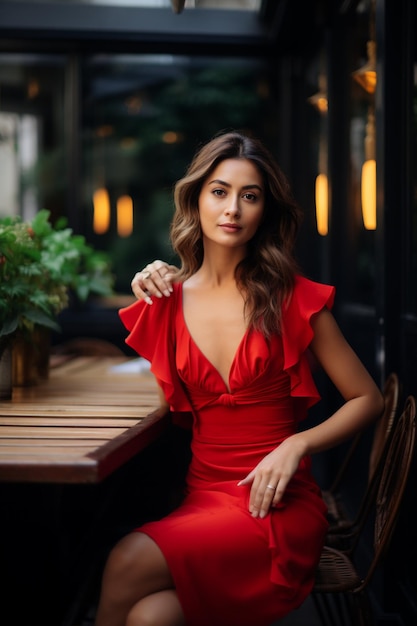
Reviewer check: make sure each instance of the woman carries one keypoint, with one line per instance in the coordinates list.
(229, 345)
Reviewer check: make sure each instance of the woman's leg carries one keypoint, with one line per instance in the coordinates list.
(135, 569)
(159, 609)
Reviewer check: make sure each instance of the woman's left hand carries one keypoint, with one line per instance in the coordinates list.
(154, 280)
(269, 479)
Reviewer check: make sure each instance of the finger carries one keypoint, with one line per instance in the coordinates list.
(279, 491)
(161, 284)
(267, 499)
(263, 496)
(159, 277)
(147, 283)
(141, 294)
(256, 495)
(247, 480)
(158, 266)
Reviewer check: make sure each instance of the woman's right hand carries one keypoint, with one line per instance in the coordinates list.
(154, 280)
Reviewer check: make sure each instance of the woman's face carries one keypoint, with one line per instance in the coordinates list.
(231, 203)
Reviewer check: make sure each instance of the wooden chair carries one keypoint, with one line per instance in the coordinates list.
(341, 591)
(342, 529)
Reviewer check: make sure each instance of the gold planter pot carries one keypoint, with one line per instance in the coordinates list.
(24, 371)
(5, 370)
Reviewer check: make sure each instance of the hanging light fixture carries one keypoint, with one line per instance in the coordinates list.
(101, 214)
(321, 188)
(366, 77)
(319, 100)
(322, 204)
(124, 216)
(368, 176)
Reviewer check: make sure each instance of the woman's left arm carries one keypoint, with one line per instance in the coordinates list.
(363, 399)
(363, 403)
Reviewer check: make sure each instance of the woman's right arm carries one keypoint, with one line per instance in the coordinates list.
(154, 280)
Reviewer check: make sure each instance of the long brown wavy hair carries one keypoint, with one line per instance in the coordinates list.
(266, 275)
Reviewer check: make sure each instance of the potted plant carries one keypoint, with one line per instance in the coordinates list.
(40, 265)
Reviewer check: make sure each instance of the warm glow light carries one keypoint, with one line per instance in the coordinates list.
(320, 102)
(368, 194)
(366, 75)
(124, 216)
(171, 137)
(101, 216)
(366, 79)
(322, 204)
(33, 89)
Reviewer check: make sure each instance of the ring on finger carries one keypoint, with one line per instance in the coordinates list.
(271, 487)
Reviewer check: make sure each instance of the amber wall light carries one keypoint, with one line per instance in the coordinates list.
(368, 176)
(101, 208)
(322, 204)
(124, 216)
(321, 189)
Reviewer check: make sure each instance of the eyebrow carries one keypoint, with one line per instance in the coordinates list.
(218, 181)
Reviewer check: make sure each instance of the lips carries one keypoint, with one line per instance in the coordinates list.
(230, 228)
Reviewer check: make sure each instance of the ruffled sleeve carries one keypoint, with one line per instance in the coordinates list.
(308, 298)
(151, 334)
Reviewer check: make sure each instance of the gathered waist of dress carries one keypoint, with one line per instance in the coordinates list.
(240, 425)
(215, 463)
(253, 394)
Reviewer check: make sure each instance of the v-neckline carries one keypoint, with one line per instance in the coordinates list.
(195, 344)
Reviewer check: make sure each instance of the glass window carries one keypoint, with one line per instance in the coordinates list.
(32, 172)
(141, 118)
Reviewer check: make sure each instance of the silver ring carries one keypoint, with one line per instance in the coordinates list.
(271, 487)
(146, 275)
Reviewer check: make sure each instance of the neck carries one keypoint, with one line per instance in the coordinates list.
(218, 267)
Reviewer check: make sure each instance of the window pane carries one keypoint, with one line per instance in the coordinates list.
(143, 119)
(32, 172)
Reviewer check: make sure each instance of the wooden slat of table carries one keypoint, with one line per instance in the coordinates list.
(80, 425)
(36, 446)
(48, 432)
(43, 410)
(14, 420)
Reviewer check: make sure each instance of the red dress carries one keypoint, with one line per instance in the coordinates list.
(229, 568)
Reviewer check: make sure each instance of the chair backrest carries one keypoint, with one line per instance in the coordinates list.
(397, 465)
(391, 393)
(380, 444)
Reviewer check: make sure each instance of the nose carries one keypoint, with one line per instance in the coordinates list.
(233, 207)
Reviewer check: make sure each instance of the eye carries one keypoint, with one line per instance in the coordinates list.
(250, 196)
(219, 192)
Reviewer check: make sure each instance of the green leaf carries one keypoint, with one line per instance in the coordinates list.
(37, 317)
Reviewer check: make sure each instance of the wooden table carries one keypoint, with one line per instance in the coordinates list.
(88, 419)
(59, 440)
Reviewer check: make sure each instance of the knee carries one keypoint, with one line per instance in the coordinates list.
(157, 609)
(140, 615)
(125, 558)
